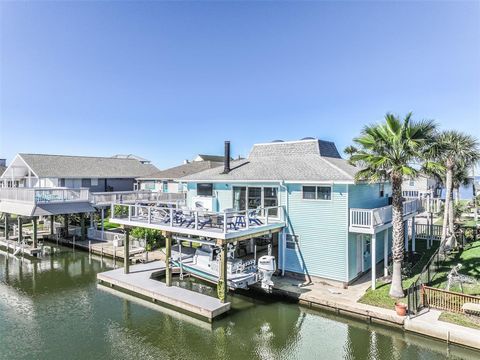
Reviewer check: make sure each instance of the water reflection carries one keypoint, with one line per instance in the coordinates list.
(51, 309)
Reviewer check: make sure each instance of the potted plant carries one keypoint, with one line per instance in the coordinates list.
(401, 309)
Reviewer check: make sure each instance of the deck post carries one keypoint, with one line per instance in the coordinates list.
(431, 230)
(34, 235)
(222, 286)
(374, 259)
(52, 224)
(20, 229)
(413, 234)
(82, 224)
(385, 253)
(66, 225)
(103, 218)
(168, 255)
(6, 226)
(126, 252)
(405, 233)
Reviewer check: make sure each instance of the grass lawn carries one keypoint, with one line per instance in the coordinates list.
(379, 297)
(108, 225)
(460, 319)
(470, 259)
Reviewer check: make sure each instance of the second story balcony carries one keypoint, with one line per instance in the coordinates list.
(369, 221)
(44, 195)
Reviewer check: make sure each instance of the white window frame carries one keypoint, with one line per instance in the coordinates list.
(316, 192)
(262, 200)
(295, 240)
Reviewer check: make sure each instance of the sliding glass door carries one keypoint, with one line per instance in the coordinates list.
(255, 197)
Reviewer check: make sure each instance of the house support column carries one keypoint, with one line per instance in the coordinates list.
(103, 218)
(385, 253)
(35, 232)
(6, 226)
(168, 255)
(83, 227)
(413, 233)
(374, 260)
(431, 230)
(52, 224)
(66, 225)
(405, 232)
(222, 285)
(126, 252)
(20, 229)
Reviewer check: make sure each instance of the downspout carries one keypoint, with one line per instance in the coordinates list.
(284, 242)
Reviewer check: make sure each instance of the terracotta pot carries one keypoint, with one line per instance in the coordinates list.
(401, 309)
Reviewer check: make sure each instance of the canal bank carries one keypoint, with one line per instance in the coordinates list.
(328, 297)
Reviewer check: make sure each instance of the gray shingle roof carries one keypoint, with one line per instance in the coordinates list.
(2, 170)
(64, 166)
(214, 158)
(182, 170)
(304, 160)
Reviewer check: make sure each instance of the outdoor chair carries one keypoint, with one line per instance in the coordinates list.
(253, 217)
(231, 218)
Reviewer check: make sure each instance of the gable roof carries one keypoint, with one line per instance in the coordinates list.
(182, 170)
(304, 160)
(65, 166)
(214, 158)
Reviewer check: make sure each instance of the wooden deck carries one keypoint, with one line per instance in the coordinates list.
(139, 281)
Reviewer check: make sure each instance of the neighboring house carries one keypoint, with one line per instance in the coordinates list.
(3, 166)
(99, 174)
(332, 224)
(169, 180)
(421, 186)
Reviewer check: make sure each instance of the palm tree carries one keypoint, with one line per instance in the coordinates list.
(456, 151)
(392, 151)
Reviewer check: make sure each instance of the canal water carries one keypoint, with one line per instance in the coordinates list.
(54, 309)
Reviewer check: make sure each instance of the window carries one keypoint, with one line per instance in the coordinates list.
(309, 192)
(317, 193)
(382, 190)
(164, 186)
(291, 241)
(412, 182)
(149, 185)
(205, 189)
(254, 197)
(239, 198)
(270, 198)
(94, 182)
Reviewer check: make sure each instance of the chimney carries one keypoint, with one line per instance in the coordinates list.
(226, 158)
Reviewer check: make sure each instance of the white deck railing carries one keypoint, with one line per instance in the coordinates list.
(371, 218)
(43, 195)
(197, 219)
(107, 198)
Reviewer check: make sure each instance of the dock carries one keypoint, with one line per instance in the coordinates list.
(141, 281)
(11, 246)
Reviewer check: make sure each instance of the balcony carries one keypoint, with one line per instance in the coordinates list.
(43, 195)
(227, 225)
(370, 221)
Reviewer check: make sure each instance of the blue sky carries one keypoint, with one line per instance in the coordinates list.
(168, 80)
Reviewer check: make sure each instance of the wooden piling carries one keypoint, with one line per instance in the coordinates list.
(126, 252)
(168, 255)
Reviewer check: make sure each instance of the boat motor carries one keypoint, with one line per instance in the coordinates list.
(266, 268)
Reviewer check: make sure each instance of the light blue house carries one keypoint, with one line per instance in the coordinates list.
(334, 226)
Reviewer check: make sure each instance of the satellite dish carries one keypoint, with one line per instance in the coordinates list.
(277, 141)
(308, 138)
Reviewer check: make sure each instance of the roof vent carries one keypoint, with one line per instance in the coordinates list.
(308, 138)
(277, 141)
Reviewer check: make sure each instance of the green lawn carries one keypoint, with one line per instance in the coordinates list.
(108, 225)
(470, 259)
(379, 297)
(460, 319)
